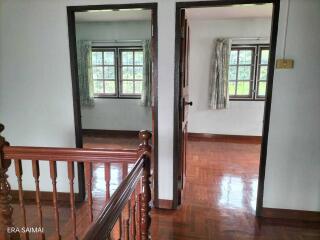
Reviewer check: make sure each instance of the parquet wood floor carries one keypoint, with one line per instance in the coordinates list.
(220, 197)
(218, 202)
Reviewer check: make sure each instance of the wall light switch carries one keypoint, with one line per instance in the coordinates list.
(284, 63)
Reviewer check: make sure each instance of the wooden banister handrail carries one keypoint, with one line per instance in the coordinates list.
(5, 196)
(69, 154)
(102, 227)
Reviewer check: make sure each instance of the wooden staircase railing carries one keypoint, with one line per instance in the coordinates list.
(129, 205)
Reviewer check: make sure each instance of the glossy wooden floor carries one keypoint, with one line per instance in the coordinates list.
(220, 198)
(218, 203)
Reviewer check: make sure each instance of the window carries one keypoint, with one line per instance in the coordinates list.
(241, 67)
(262, 72)
(104, 72)
(117, 72)
(248, 68)
(131, 72)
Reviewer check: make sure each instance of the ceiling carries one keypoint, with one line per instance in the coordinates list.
(111, 15)
(234, 11)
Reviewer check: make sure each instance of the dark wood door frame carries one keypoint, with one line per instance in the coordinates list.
(267, 109)
(71, 10)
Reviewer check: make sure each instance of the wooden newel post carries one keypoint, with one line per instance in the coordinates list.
(5, 197)
(145, 196)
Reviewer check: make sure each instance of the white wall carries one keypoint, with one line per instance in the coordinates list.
(36, 100)
(35, 86)
(241, 117)
(38, 26)
(293, 164)
(115, 114)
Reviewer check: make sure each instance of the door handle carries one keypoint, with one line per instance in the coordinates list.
(188, 103)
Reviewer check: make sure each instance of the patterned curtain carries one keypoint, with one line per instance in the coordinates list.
(146, 95)
(85, 73)
(218, 86)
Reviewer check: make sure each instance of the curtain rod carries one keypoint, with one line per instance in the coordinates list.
(250, 38)
(115, 41)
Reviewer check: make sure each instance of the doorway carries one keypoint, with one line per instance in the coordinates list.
(254, 45)
(113, 51)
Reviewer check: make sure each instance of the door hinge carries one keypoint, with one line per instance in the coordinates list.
(179, 183)
(182, 32)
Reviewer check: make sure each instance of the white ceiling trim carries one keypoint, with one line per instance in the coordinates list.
(112, 16)
(231, 12)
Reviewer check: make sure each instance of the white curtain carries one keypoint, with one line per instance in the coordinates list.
(85, 73)
(146, 95)
(218, 86)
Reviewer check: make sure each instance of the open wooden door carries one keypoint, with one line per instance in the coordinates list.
(184, 102)
(154, 105)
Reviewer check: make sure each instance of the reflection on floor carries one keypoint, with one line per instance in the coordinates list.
(112, 142)
(220, 197)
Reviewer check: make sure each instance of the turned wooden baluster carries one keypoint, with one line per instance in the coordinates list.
(36, 175)
(145, 196)
(133, 216)
(120, 226)
(107, 179)
(138, 202)
(5, 197)
(124, 170)
(123, 224)
(126, 221)
(126, 229)
(72, 200)
(138, 227)
(88, 173)
(53, 175)
(19, 172)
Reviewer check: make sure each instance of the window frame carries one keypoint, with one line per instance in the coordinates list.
(120, 66)
(252, 76)
(261, 47)
(253, 96)
(106, 49)
(118, 91)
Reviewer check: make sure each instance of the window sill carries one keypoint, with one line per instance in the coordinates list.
(117, 97)
(247, 100)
